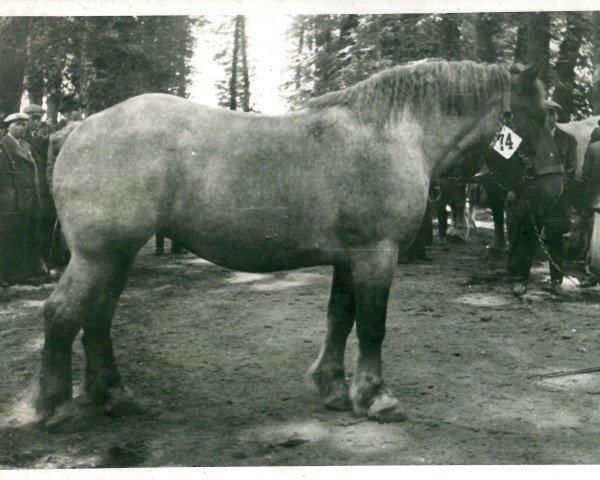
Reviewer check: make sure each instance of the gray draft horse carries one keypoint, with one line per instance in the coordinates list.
(343, 182)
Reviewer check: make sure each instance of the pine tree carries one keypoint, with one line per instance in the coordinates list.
(234, 89)
(13, 42)
(568, 59)
(594, 42)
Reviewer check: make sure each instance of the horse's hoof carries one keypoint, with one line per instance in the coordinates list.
(338, 400)
(386, 408)
(122, 403)
(65, 418)
(332, 392)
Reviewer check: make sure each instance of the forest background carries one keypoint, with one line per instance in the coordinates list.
(100, 61)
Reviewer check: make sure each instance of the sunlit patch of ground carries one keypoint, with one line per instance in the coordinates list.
(243, 277)
(67, 461)
(587, 382)
(32, 288)
(484, 300)
(33, 303)
(290, 281)
(273, 282)
(360, 437)
(194, 261)
(512, 411)
(276, 434)
(369, 437)
(34, 345)
(21, 411)
(170, 266)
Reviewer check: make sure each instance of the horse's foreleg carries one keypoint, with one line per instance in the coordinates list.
(372, 278)
(327, 373)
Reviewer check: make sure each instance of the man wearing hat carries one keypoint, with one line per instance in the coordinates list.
(566, 144)
(20, 203)
(525, 233)
(37, 137)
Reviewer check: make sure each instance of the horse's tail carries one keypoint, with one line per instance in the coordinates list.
(56, 141)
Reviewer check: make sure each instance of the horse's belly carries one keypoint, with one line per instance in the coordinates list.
(259, 260)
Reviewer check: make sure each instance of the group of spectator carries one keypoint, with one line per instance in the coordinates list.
(29, 233)
(528, 229)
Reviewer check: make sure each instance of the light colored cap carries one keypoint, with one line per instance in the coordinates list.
(552, 105)
(34, 109)
(13, 117)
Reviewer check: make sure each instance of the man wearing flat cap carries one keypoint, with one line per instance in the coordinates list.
(554, 223)
(566, 144)
(37, 137)
(19, 204)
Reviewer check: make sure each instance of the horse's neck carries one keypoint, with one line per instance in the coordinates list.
(444, 139)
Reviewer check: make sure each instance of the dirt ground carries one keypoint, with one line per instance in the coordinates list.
(219, 358)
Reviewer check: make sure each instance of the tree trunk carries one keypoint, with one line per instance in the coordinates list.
(487, 31)
(595, 42)
(245, 74)
(568, 55)
(521, 20)
(53, 98)
(34, 77)
(450, 47)
(14, 60)
(325, 64)
(538, 37)
(299, 52)
(234, 61)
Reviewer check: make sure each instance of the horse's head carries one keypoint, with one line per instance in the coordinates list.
(535, 168)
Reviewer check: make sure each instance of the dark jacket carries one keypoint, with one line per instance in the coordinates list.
(566, 144)
(39, 150)
(19, 160)
(19, 212)
(590, 172)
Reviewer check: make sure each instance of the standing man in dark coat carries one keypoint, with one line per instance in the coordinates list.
(566, 144)
(590, 174)
(36, 135)
(20, 202)
(525, 226)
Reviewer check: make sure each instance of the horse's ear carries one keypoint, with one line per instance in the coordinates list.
(530, 74)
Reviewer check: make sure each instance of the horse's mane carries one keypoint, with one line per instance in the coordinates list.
(452, 87)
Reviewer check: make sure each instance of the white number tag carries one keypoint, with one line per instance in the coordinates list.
(507, 142)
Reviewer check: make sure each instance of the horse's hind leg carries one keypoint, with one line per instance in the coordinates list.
(86, 296)
(327, 373)
(103, 384)
(372, 277)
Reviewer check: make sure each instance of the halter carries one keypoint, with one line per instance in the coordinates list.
(506, 118)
